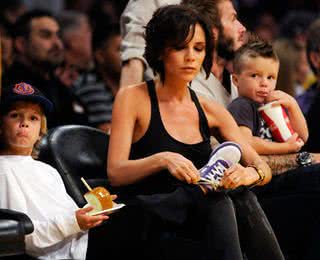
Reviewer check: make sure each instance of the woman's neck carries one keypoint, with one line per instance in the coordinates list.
(173, 89)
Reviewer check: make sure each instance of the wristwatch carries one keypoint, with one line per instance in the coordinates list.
(304, 159)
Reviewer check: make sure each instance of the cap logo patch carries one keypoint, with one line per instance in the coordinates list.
(23, 89)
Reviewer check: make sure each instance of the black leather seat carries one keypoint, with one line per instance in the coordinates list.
(76, 151)
(14, 226)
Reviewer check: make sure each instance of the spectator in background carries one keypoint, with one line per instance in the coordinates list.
(82, 6)
(294, 67)
(54, 6)
(76, 34)
(266, 26)
(80, 73)
(106, 47)
(105, 12)
(11, 10)
(39, 51)
(295, 25)
(310, 100)
(6, 44)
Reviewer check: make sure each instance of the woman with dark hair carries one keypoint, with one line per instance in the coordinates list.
(161, 135)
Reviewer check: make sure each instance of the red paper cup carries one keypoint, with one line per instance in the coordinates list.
(277, 120)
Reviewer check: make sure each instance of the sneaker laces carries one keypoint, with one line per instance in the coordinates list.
(212, 174)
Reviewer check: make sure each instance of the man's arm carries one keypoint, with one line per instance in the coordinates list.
(285, 162)
(133, 19)
(280, 163)
(132, 72)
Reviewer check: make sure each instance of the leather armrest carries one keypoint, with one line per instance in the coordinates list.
(22, 218)
(13, 228)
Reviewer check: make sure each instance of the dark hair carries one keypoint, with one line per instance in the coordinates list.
(102, 33)
(313, 42)
(255, 47)
(170, 27)
(70, 21)
(207, 9)
(11, 5)
(22, 27)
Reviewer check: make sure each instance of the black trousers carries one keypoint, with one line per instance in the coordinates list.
(238, 225)
(121, 235)
(291, 203)
(224, 224)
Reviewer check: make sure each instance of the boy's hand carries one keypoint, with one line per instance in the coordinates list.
(294, 143)
(86, 221)
(281, 97)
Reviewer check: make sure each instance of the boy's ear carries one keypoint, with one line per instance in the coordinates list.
(235, 79)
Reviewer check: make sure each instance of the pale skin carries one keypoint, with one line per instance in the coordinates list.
(20, 128)
(177, 110)
(257, 81)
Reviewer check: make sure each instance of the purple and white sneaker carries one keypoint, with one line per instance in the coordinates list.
(221, 158)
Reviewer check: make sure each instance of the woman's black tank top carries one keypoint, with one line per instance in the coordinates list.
(157, 139)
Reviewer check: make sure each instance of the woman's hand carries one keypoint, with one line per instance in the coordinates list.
(180, 167)
(86, 221)
(237, 175)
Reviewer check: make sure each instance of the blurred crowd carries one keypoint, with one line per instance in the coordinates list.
(69, 50)
(83, 58)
